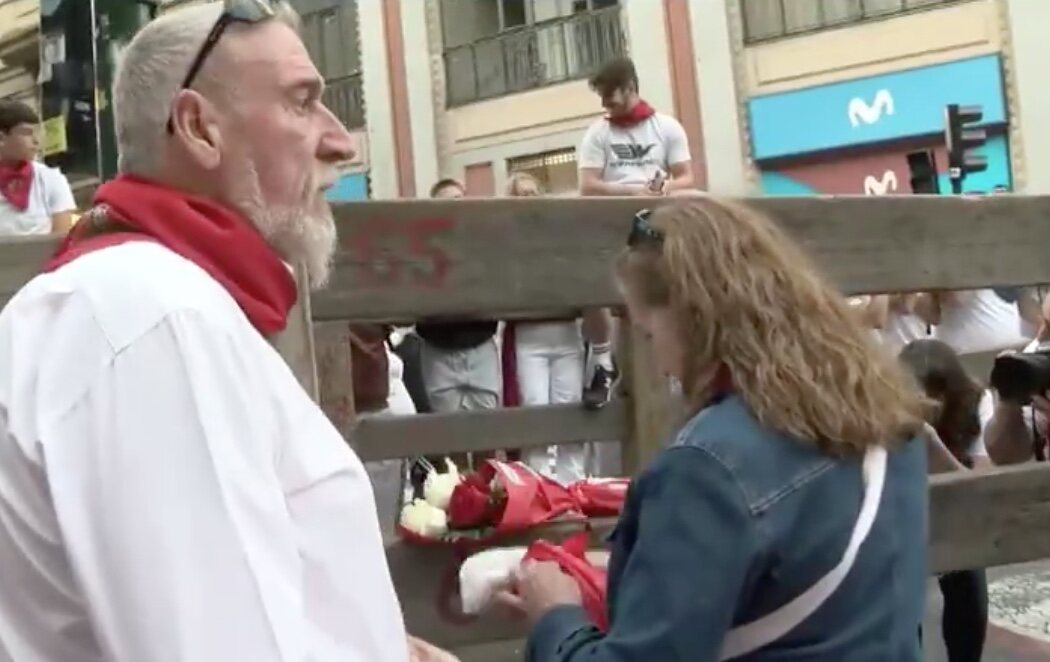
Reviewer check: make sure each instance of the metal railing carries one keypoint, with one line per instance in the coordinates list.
(346, 100)
(533, 56)
(765, 20)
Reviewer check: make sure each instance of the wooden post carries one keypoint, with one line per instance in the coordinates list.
(296, 342)
(335, 373)
(652, 411)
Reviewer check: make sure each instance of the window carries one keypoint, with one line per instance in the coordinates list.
(498, 47)
(329, 29)
(770, 19)
(555, 170)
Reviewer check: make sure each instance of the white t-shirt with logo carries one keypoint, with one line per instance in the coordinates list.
(632, 156)
(49, 194)
(979, 322)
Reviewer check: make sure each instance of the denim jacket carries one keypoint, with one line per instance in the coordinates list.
(734, 521)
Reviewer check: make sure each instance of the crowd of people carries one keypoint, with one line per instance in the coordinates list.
(168, 491)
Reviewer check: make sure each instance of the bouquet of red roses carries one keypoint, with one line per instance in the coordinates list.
(502, 498)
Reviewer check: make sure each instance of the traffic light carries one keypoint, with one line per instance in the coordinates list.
(922, 170)
(962, 137)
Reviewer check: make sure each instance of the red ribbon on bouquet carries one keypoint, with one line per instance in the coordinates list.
(600, 497)
(571, 557)
(531, 499)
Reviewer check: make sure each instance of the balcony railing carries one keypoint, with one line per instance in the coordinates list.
(344, 98)
(533, 56)
(765, 20)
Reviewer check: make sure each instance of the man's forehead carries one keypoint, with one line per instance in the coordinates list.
(273, 49)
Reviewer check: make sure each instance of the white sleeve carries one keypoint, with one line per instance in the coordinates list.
(985, 411)
(591, 153)
(677, 147)
(59, 194)
(172, 515)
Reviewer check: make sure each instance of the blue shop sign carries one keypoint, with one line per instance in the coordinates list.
(349, 187)
(869, 110)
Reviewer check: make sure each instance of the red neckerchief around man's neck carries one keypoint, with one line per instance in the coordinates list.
(15, 182)
(223, 243)
(638, 113)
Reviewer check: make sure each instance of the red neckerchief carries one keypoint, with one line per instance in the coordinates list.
(638, 113)
(721, 385)
(216, 239)
(15, 180)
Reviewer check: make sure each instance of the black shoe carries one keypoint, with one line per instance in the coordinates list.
(597, 394)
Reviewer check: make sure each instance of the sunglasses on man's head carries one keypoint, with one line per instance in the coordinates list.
(234, 11)
(643, 232)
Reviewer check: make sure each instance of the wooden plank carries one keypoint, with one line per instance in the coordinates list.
(653, 414)
(335, 373)
(409, 259)
(20, 260)
(989, 518)
(296, 342)
(978, 520)
(520, 427)
(979, 364)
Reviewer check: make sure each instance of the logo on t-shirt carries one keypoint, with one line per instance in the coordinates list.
(632, 154)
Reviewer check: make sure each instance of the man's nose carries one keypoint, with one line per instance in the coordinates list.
(336, 142)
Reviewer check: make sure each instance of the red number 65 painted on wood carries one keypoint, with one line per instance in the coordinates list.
(392, 253)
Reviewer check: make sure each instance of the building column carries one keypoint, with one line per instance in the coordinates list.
(375, 83)
(680, 60)
(419, 78)
(1027, 21)
(646, 31)
(714, 46)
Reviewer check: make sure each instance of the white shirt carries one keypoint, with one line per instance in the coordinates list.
(49, 194)
(633, 156)
(901, 329)
(985, 411)
(168, 491)
(979, 322)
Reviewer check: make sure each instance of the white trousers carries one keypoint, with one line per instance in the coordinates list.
(550, 360)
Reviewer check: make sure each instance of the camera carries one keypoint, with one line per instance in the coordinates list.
(1017, 377)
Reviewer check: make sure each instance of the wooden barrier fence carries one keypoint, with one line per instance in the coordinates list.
(520, 258)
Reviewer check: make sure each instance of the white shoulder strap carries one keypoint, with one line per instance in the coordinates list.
(771, 627)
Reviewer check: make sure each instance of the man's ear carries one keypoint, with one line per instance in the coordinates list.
(195, 127)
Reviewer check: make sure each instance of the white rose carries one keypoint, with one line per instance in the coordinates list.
(424, 519)
(438, 488)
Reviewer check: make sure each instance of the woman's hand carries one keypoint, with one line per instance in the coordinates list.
(540, 588)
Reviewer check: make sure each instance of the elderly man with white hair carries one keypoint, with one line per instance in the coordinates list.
(167, 489)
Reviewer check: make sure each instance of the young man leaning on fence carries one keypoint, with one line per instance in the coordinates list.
(167, 489)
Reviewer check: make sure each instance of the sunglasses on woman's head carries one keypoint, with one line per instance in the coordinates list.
(643, 232)
(234, 11)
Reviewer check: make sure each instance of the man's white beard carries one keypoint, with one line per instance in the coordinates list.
(301, 235)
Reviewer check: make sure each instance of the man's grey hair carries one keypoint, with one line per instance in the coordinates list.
(150, 75)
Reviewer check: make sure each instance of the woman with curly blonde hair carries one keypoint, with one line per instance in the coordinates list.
(788, 518)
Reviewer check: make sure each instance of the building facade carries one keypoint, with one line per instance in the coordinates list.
(777, 97)
(838, 92)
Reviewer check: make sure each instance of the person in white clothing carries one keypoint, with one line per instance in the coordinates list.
(971, 320)
(168, 491)
(632, 150)
(547, 368)
(891, 318)
(34, 198)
